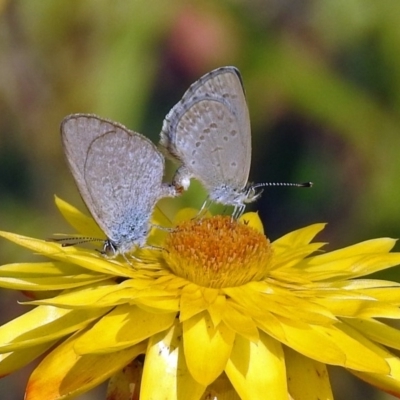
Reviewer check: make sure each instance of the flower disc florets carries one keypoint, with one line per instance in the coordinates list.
(218, 252)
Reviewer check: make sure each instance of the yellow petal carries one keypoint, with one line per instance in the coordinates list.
(160, 303)
(389, 295)
(165, 374)
(236, 318)
(360, 308)
(108, 294)
(362, 284)
(382, 245)
(207, 349)
(257, 370)
(84, 258)
(50, 249)
(209, 294)
(253, 220)
(354, 343)
(63, 373)
(46, 276)
(79, 221)
(259, 299)
(303, 338)
(192, 302)
(346, 267)
(10, 362)
(307, 379)
(376, 331)
(99, 264)
(195, 299)
(297, 238)
(123, 327)
(342, 345)
(291, 257)
(389, 383)
(103, 294)
(171, 282)
(44, 324)
(217, 309)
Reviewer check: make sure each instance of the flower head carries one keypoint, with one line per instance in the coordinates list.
(219, 309)
(217, 252)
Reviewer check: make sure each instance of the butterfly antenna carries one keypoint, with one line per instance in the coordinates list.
(304, 184)
(73, 241)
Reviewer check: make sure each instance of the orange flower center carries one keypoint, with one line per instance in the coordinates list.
(217, 252)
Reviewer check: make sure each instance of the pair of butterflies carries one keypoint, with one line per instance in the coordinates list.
(119, 172)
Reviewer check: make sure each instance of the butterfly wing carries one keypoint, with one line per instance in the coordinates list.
(118, 172)
(208, 131)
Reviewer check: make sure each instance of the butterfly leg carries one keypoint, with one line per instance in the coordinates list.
(238, 211)
(204, 208)
(162, 228)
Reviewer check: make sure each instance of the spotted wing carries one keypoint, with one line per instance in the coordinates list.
(117, 171)
(208, 131)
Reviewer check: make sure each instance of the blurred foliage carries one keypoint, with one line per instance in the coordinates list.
(323, 86)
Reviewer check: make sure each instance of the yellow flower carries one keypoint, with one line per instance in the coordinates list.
(220, 311)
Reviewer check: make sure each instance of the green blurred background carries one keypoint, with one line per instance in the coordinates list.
(323, 87)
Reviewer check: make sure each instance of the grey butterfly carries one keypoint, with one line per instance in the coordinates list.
(119, 176)
(208, 133)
